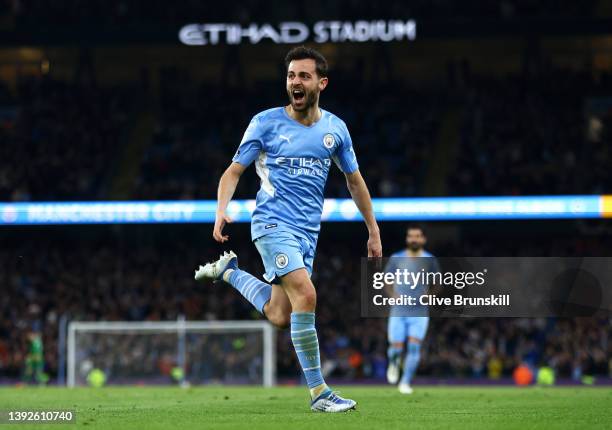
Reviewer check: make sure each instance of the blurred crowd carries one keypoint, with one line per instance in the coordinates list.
(534, 135)
(135, 277)
(518, 135)
(521, 135)
(60, 140)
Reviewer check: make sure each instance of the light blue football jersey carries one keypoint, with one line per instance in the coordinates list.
(401, 260)
(293, 162)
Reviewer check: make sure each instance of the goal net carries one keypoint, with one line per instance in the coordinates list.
(173, 352)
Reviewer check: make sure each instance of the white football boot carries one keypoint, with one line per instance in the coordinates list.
(332, 402)
(405, 388)
(214, 271)
(393, 372)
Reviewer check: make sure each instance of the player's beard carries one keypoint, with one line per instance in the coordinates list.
(310, 99)
(414, 246)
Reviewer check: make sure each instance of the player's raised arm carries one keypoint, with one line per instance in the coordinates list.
(227, 187)
(361, 196)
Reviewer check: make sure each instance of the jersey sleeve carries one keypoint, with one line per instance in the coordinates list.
(345, 157)
(251, 144)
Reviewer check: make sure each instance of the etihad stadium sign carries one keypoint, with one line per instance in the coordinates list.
(293, 32)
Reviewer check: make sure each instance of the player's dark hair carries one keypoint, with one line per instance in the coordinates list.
(416, 227)
(303, 53)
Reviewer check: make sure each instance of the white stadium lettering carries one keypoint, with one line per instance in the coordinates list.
(292, 32)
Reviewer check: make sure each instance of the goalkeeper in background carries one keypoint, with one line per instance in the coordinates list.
(35, 362)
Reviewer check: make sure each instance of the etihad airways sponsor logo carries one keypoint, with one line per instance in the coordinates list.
(304, 165)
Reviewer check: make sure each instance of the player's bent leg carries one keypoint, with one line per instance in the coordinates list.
(278, 309)
(258, 293)
(303, 297)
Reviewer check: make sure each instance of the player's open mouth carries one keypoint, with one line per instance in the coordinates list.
(298, 95)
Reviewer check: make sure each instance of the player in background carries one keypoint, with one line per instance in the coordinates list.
(293, 148)
(404, 328)
(35, 362)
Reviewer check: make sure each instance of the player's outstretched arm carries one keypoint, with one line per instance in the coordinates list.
(227, 187)
(361, 196)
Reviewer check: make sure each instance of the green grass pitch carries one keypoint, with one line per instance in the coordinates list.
(285, 408)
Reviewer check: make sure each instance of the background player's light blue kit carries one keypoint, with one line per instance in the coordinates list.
(293, 162)
(409, 321)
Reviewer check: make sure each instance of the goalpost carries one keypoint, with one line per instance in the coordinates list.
(180, 352)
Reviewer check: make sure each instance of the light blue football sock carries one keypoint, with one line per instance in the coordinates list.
(255, 291)
(306, 344)
(394, 354)
(411, 362)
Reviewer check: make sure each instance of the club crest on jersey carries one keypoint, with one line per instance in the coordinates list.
(282, 260)
(329, 141)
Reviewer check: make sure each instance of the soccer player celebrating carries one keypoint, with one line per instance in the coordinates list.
(404, 327)
(292, 147)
